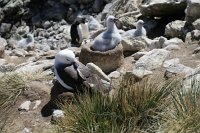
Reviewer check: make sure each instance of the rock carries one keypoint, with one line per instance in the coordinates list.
(173, 67)
(47, 24)
(157, 43)
(76, 50)
(37, 103)
(114, 75)
(171, 62)
(197, 50)
(2, 51)
(3, 42)
(141, 73)
(174, 41)
(25, 106)
(191, 83)
(2, 62)
(57, 114)
(175, 29)
(127, 23)
(157, 8)
(96, 70)
(108, 61)
(133, 44)
(172, 47)
(152, 60)
(193, 37)
(18, 53)
(26, 130)
(33, 67)
(192, 10)
(196, 24)
(7, 67)
(23, 30)
(98, 5)
(5, 27)
(138, 55)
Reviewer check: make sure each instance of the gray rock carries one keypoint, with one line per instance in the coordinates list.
(47, 24)
(37, 103)
(2, 51)
(96, 70)
(175, 29)
(25, 106)
(162, 7)
(196, 24)
(133, 44)
(197, 50)
(57, 114)
(33, 67)
(172, 47)
(138, 55)
(5, 27)
(18, 52)
(193, 37)
(141, 73)
(157, 43)
(173, 41)
(152, 60)
(3, 42)
(114, 75)
(23, 30)
(173, 67)
(192, 10)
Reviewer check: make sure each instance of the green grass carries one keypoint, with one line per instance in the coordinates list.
(135, 108)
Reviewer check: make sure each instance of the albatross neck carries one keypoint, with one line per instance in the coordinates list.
(112, 28)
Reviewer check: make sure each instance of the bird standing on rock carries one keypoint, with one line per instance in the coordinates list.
(25, 42)
(139, 31)
(109, 39)
(93, 24)
(79, 31)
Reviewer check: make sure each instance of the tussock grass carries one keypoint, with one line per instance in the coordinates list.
(12, 86)
(184, 114)
(137, 107)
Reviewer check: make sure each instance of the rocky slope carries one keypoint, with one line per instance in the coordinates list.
(171, 47)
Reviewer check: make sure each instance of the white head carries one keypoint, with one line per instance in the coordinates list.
(30, 38)
(110, 21)
(65, 56)
(91, 18)
(139, 24)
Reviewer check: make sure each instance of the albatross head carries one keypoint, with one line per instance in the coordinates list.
(139, 24)
(65, 57)
(111, 20)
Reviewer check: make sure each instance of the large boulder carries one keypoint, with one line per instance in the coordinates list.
(108, 61)
(162, 7)
(192, 10)
(152, 60)
(133, 44)
(173, 67)
(196, 24)
(175, 29)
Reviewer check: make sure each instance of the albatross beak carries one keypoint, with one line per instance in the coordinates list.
(115, 20)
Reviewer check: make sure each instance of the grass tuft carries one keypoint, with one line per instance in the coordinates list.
(136, 107)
